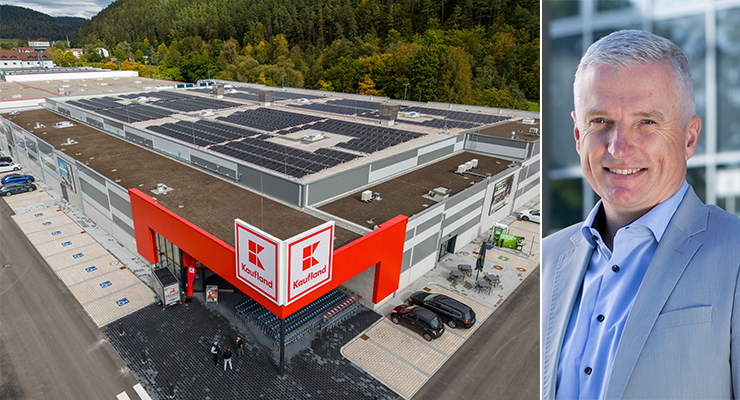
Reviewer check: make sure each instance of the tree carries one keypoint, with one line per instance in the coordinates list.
(367, 86)
(457, 76)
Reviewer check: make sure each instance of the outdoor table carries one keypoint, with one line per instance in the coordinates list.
(483, 284)
(493, 279)
(457, 274)
(466, 269)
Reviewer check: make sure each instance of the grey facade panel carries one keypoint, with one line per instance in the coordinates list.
(428, 224)
(64, 111)
(212, 166)
(45, 148)
(95, 194)
(138, 139)
(270, 185)
(338, 184)
(528, 187)
(464, 213)
(536, 148)
(533, 169)
(433, 155)
(516, 144)
(406, 262)
(410, 235)
(114, 124)
(468, 225)
(90, 173)
(387, 162)
(120, 204)
(124, 226)
(425, 249)
(465, 194)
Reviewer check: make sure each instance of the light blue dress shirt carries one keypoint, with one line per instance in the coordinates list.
(609, 288)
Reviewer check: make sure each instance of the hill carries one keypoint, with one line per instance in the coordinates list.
(465, 51)
(26, 24)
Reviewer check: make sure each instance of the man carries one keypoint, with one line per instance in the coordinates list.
(638, 301)
(239, 346)
(214, 352)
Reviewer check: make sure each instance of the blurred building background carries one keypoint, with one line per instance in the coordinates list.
(707, 31)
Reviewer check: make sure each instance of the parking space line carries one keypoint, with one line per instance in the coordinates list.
(141, 392)
(414, 336)
(398, 357)
(109, 294)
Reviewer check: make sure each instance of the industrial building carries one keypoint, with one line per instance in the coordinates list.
(175, 175)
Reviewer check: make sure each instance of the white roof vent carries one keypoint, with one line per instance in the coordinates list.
(438, 194)
(303, 100)
(461, 168)
(312, 137)
(69, 141)
(141, 99)
(39, 125)
(412, 114)
(528, 121)
(206, 113)
(63, 124)
(162, 189)
(474, 162)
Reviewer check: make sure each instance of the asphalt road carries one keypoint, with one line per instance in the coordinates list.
(49, 346)
(501, 359)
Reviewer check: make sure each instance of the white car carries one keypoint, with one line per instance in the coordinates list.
(529, 215)
(8, 167)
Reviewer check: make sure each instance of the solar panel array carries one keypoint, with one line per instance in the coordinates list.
(99, 103)
(287, 160)
(195, 104)
(475, 119)
(202, 133)
(134, 113)
(268, 119)
(366, 138)
(329, 107)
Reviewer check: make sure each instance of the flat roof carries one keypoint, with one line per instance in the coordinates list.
(203, 199)
(404, 194)
(80, 86)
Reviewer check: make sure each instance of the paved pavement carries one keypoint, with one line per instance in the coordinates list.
(168, 349)
(49, 347)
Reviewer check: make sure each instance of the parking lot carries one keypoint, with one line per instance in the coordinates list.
(400, 357)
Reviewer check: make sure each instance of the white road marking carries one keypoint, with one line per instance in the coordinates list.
(141, 392)
(123, 396)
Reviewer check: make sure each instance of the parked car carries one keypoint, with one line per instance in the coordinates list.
(10, 178)
(6, 159)
(452, 312)
(529, 215)
(419, 319)
(15, 188)
(8, 167)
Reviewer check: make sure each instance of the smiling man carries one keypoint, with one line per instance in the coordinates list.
(638, 301)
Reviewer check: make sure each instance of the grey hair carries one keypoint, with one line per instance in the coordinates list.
(628, 48)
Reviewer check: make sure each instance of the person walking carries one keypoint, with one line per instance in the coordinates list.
(227, 358)
(239, 346)
(214, 351)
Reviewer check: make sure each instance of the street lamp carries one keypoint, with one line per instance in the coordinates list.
(406, 87)
(282, 78)
(209, 74)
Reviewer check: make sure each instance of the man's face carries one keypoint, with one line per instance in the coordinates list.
(633, 150)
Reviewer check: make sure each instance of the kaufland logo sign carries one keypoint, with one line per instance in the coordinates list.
(284, 271)
(309, 257)
(258, 265)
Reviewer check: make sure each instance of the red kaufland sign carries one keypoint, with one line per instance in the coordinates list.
(257, 259)
(284, 271)
(309, 260)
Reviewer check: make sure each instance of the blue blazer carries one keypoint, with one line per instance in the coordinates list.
(682, 336)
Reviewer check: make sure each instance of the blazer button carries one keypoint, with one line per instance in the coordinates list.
(600, 318)
(588, 370)
(595, 238)
(615, 268)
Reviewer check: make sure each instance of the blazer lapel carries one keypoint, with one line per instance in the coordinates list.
(672, 256)
(568, 277)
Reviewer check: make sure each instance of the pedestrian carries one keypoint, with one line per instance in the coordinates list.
(214, 350)
(227, 358)
(239, 346)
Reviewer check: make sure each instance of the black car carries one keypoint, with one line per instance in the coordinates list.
(6, 159)
(452, 312)
(10, 178)
(15, 188)
(419, 319)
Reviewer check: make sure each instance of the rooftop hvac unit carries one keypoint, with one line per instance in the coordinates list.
(468, 165)
(141, 99)
(218, 90)
(265, 97)
(534, 131)
(528, 121)
(474, 162)
(412, 114)
(206, 113)
(388, 113)
(461, 168)
(60, 90)
(367, 195)
(63, 124)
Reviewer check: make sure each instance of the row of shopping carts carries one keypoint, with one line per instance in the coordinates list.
(323, 313)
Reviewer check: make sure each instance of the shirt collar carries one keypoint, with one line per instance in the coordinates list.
(656, 219)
